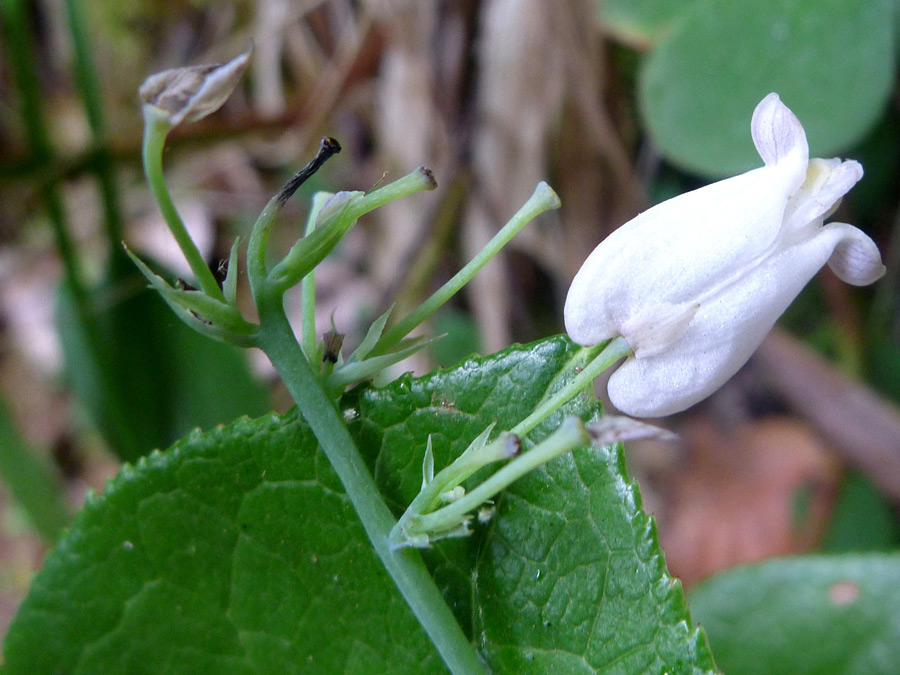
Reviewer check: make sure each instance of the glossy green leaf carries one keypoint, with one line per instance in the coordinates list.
(150, 379)
(816, 614)
(831, 61)
(572, 579)
(237, 551)
(232, 552)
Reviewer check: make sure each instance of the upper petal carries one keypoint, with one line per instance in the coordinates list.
(674, 252)
(779, 137)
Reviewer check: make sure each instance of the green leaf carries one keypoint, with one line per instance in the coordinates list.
(230, 553)
(831, 61)
(237, 551)
(641, 22)
(816, 614)
(461, 336)
(862, 519)
(32, 482)
(151, 379)
(572, 579)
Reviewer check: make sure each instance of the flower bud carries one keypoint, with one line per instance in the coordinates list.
(191, 93)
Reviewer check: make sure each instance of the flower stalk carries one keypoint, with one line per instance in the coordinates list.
(308, 285)
(543, 199)
(426, 521)
(601, 358)
(156, 128)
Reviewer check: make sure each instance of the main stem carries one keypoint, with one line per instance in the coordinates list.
(405, 567)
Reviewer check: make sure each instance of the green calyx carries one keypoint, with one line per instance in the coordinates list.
(218, 319)
(336, 218)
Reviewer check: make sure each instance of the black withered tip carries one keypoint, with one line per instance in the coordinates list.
(328, 147)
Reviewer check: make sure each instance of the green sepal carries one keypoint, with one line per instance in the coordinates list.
(372, 336)
(204, 314)
(428, 464)
(229, 286)
(312, 249)
(353, 371)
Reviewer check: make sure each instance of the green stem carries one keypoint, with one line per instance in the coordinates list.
(405, 566)
(308, 285)
(89, 86)
(570, 435)
(542, 200)
(156, 127)
(475, 457)
(606, 355)
(17, 36)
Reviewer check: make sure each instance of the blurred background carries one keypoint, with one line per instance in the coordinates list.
(617, 104)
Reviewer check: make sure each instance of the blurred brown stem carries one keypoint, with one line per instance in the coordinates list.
(863, 428)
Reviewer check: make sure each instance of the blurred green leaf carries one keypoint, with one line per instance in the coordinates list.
(237, 551)
(879, 154)
(817, 614)
(641, 22)
(831, 61)
(862, 520)
(459, 336)
(32, 483)
(152, 379)
(883, 355)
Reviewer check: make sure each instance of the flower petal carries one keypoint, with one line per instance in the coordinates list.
(827, 180)
(679, 249)
(779, 137)
(674, 252)
(856, 259)
(730, 324)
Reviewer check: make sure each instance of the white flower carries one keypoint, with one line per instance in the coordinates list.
(695, 283)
